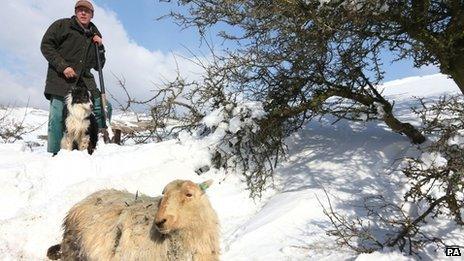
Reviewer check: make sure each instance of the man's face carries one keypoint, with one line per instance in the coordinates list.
(84, 15)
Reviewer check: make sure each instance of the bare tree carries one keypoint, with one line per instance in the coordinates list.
(435, 187)
(298, 60)
(246, 139)
(440, 180)
(386, 225)
(429, 32)
(11, 128)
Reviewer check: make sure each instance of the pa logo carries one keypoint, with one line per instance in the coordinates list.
(452, 251)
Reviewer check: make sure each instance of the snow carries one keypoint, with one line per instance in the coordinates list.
(380, 110)
(457, 139)
(387, 256)
(422, 86)
(433, 158)
(349, 160)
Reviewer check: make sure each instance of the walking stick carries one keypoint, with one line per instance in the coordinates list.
(108, 134)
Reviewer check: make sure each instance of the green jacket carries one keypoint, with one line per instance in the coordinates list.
(66, 44)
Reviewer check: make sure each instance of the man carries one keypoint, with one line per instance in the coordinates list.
(69, 47)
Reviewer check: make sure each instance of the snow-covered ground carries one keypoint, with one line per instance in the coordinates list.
(350, 160)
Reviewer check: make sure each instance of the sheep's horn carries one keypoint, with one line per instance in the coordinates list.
(206, 184)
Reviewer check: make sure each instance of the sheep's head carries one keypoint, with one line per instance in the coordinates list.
(184, 204)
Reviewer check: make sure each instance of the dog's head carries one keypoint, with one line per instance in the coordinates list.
(79, 98)
(79, 95)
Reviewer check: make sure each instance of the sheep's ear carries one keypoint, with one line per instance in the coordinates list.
(206, 184)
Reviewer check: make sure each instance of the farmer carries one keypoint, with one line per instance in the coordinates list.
(69, 47)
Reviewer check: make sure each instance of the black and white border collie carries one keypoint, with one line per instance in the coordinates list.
(80, 124)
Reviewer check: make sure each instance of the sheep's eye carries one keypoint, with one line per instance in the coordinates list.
(189, 195)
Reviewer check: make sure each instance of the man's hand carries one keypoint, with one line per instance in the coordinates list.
(69, 73)
(97, 39)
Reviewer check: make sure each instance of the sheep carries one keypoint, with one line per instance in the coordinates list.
(118, 225)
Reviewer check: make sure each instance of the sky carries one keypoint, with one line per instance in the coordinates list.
(140, 48)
